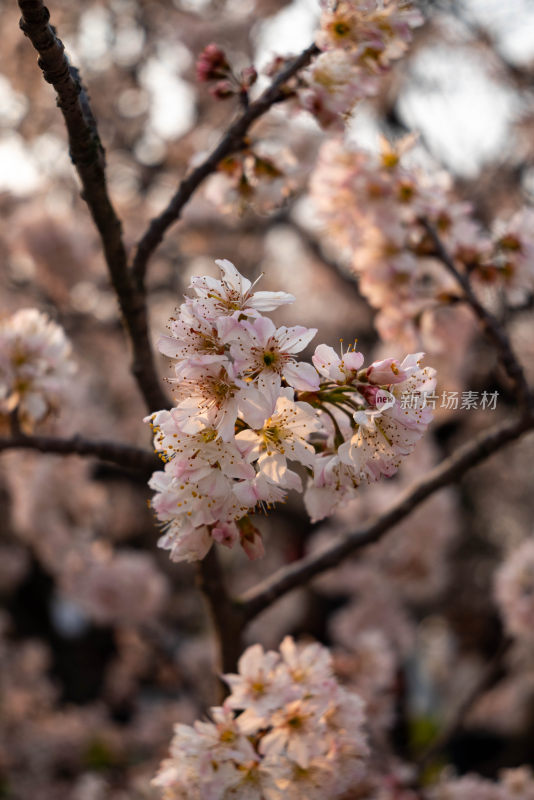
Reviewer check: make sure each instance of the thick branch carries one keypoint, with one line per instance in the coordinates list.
(450, 470)
(122, 454)
(226, 615)
(494, 330)
(87, 155)
(231, 142)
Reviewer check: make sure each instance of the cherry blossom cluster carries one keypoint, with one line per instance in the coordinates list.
(514, 591)
(287, 730)
(372, 207)
(35, 366)
(122, 588)
(260, 176)
(359, 41)
(246, 406)
(512, 261)
(514, 784)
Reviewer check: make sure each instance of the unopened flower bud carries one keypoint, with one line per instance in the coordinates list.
(222, 90)
(212, 64)
(251, 540)
(249, 76)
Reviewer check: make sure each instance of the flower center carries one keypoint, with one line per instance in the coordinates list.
(269, 358)
(272, 435)
(341, 28)
(295, 722)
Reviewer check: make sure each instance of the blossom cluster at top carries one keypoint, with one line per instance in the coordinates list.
(372, 207)
(35, 366)
(246, 406)
(297, 733)
(359, 41)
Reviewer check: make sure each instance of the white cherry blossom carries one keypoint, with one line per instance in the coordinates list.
(279, 437)
(237, 428)
(266, 353)
(35, 365)
(216, 298)
(277, 745)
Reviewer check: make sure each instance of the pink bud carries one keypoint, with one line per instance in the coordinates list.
(225, 533)
(253, 547)
(249, 76)
(251, 540)
(274, 66)
(376, 397)
(212, 64)
(222, 90)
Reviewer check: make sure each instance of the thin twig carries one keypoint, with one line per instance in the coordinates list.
(451, 469)
(122, 454)
(87, 154)
(231, 142)
(491, 325)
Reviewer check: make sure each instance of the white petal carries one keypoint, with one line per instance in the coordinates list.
(301, 376)
(255, 407)
(295, 339)
(232, 277)
(320, 501)
(268, 301)
(325, 359)
(263, 329)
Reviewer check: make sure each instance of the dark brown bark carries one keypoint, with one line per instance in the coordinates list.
(87, 154)
(123, 455)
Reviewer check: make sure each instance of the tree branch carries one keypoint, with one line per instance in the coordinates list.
(491, 325)
(87, 155)
(231, 142)
(450, 470)
(227, 616)
(122, 454)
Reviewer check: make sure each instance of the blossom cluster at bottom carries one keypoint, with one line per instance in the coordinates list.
(288, 729)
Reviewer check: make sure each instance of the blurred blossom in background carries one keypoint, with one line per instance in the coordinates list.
(104, 643)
